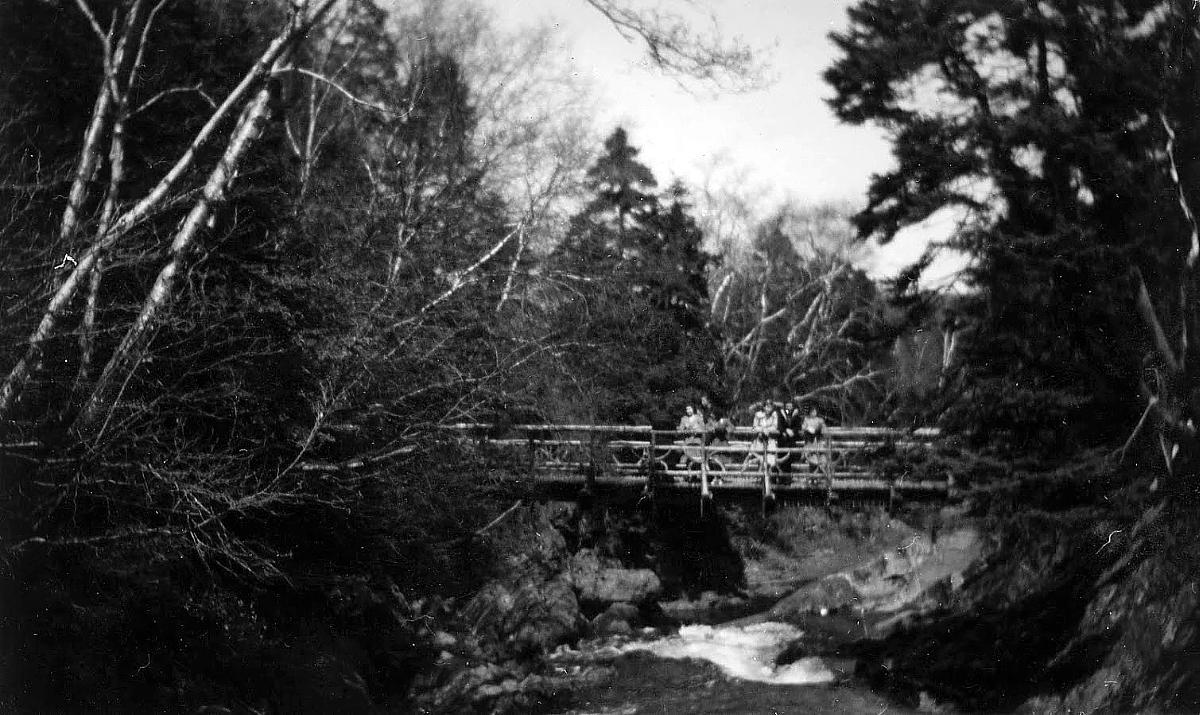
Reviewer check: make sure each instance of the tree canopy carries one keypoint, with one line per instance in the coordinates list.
(1043, 125)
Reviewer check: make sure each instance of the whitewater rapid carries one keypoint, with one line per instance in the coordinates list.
(745, 652)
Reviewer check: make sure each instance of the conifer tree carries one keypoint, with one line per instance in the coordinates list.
(636, 260)
(1042, 135)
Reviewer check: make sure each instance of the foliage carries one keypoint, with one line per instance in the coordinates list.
(798, 319)
(631, 302)
(1039, 123)
(278, 436)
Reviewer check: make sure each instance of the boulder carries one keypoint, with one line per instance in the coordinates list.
(598, 583)
(708, 607)
(616, 620)
(527, 619)
(543, 616)
(528, 545)
(829, 593)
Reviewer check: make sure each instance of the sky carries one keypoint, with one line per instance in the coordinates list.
(782, 139)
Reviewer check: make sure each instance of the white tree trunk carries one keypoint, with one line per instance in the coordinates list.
(129, 354)
(19, 375)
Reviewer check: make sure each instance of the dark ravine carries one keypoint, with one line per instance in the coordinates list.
(1015, 613)
(567, 573)
(1081, 610)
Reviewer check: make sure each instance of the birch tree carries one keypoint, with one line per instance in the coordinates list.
(797, 320)
(248, 99)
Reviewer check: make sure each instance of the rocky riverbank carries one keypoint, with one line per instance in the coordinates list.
(588, 608)
(556, 581)
(565, 574)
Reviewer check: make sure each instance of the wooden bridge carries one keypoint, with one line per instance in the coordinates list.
(859, 462)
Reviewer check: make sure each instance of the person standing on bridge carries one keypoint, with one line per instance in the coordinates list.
(691, 429)
(789, 432)
(812, 428)
(766, 434)
(692, 422)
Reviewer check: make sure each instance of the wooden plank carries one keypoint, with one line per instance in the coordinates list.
(835, 433)
(839, 484)
(843, 464)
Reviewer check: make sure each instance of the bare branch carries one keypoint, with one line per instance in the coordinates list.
(1150, 318)
(198, 89)
(1194, 246)
(342, 90)
(128, 355)
(62, 298)
(512, 270)
(1150, 404)
(104, 37)
(141, 49)
(863, 376)
(463, 278)
(678, 50)
(357, 462)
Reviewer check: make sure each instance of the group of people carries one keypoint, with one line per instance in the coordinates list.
(783, 426)
(777, 425)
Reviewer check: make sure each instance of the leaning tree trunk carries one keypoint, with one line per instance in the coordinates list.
(1172, 401)
(152, 202)
(89, 424)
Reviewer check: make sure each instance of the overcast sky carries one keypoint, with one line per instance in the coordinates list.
(783, 136)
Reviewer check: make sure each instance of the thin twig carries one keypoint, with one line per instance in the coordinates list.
(497, 520)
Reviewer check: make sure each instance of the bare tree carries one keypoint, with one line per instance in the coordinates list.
(249, 98)
(794, 316)
(675, 46)
(1169, 384)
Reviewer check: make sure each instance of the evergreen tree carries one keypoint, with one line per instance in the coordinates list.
(1050, 159)
(641, 307)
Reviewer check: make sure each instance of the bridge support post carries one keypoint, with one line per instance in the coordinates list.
(651, 460)
(529, 438)
(589, 483)
(827, 468)
(705, 492)
(650, 465)
(768, 498)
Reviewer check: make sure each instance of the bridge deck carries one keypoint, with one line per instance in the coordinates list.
(843, 459)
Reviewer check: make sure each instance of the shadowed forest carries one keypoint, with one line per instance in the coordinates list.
(256, 257)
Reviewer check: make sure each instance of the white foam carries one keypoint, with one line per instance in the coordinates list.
(746, 652)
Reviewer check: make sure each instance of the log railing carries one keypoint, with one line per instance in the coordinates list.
(841, 459)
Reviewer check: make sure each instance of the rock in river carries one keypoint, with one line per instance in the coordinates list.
(617, 620)
(600, 584)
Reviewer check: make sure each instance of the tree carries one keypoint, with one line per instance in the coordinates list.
(798, 319)
(634, 298)
(1040, 134)
(294, 240)
(676, 48)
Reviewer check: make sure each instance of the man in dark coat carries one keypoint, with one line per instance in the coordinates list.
(789, 431)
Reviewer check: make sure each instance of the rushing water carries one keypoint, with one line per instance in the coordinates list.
(720, 669)
(746, 653)
(731, 668)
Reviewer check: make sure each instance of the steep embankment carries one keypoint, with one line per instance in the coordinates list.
(563, 572)
(1076, 609)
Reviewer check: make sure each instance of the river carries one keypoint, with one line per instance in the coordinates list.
(731, 668)
(718, 669)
